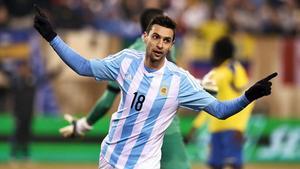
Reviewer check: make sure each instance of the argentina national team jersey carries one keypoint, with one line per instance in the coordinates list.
(149, 101)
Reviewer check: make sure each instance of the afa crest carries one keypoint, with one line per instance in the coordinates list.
(163, 91)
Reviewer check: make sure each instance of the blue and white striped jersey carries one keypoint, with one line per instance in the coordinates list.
(149, 101)
(148, 104)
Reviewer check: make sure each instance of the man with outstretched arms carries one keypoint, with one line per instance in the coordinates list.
(174, 153)
(152, 89)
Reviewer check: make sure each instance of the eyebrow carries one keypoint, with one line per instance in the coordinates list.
(163, 37)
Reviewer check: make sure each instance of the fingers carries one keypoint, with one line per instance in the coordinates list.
(69, 118)
(40, 20)
(38, 10)
(70, 130)
(265, 88)
(271, 76)
(67, 131)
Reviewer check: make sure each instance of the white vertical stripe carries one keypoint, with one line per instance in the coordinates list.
(124, 69)
(142, 116)
(120, 79)
(160, 126)
(126, 109)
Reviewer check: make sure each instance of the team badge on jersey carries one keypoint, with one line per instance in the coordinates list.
(163, 91)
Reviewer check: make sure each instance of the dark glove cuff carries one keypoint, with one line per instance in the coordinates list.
(50, 36)
(74, 123)
(249, 96)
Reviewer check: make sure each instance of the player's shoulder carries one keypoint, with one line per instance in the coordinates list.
(239, 66)
(127, 53)
(183, 76)
(173, 68)
(133, 53)
(234, 67)
(225, 69)
(176, 70)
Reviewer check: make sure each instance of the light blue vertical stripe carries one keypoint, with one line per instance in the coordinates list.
(149, 124)
(132, 70)
(130, 122)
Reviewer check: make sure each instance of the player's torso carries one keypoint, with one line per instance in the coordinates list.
(231, 80)
(146, 95)
(148, 103)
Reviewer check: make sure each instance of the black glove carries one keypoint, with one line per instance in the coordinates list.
(260, 88)
(42, 25)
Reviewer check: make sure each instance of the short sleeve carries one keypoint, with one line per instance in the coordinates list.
(192, 95)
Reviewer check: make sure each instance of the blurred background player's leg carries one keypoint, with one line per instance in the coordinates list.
(23, 92)
(226, 150)
(215, 156)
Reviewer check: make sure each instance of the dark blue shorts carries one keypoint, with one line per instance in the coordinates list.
(226, 148)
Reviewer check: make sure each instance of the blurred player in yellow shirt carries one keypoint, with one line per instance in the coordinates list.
(228, 79)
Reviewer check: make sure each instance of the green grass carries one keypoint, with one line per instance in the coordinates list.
(259, 129)
(61, 152)
(50, 125)
(57, 152)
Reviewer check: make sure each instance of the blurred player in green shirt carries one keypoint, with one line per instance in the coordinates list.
(173, 150)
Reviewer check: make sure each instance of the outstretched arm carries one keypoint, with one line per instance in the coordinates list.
(225, 109)
(76, 62)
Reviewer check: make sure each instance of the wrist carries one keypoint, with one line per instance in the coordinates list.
(245, 99)
(51, 35)
(83, 126)
(248, 96)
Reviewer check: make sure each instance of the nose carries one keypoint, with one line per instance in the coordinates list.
(160, 44)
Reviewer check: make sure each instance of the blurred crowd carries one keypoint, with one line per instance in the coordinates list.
(197, 19)
(121, 16)
(23, 74)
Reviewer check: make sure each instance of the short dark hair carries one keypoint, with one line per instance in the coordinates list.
(223, 49)
(164, 21)
(147, 16)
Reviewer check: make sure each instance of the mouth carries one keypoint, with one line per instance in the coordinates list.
(158, 53)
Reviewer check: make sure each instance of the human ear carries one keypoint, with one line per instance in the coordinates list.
(145, 37)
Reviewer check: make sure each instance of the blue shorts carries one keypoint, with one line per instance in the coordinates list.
(226, 148)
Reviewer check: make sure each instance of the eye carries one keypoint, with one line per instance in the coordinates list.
(155, 36)
(167, 40)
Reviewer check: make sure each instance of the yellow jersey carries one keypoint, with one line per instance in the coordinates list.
(231, 80)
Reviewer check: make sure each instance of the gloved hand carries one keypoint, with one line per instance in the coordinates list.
(260, 88)
(209, 84)
(76, 128)
(42, 25)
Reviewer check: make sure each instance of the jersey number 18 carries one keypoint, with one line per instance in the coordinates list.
(139, 99)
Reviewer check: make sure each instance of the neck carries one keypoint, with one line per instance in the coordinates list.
(154, 64)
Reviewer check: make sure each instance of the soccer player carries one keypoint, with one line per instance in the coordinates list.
(228, 79)
(152, 89)
(174, 154)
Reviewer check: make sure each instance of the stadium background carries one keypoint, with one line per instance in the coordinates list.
(265, 32)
